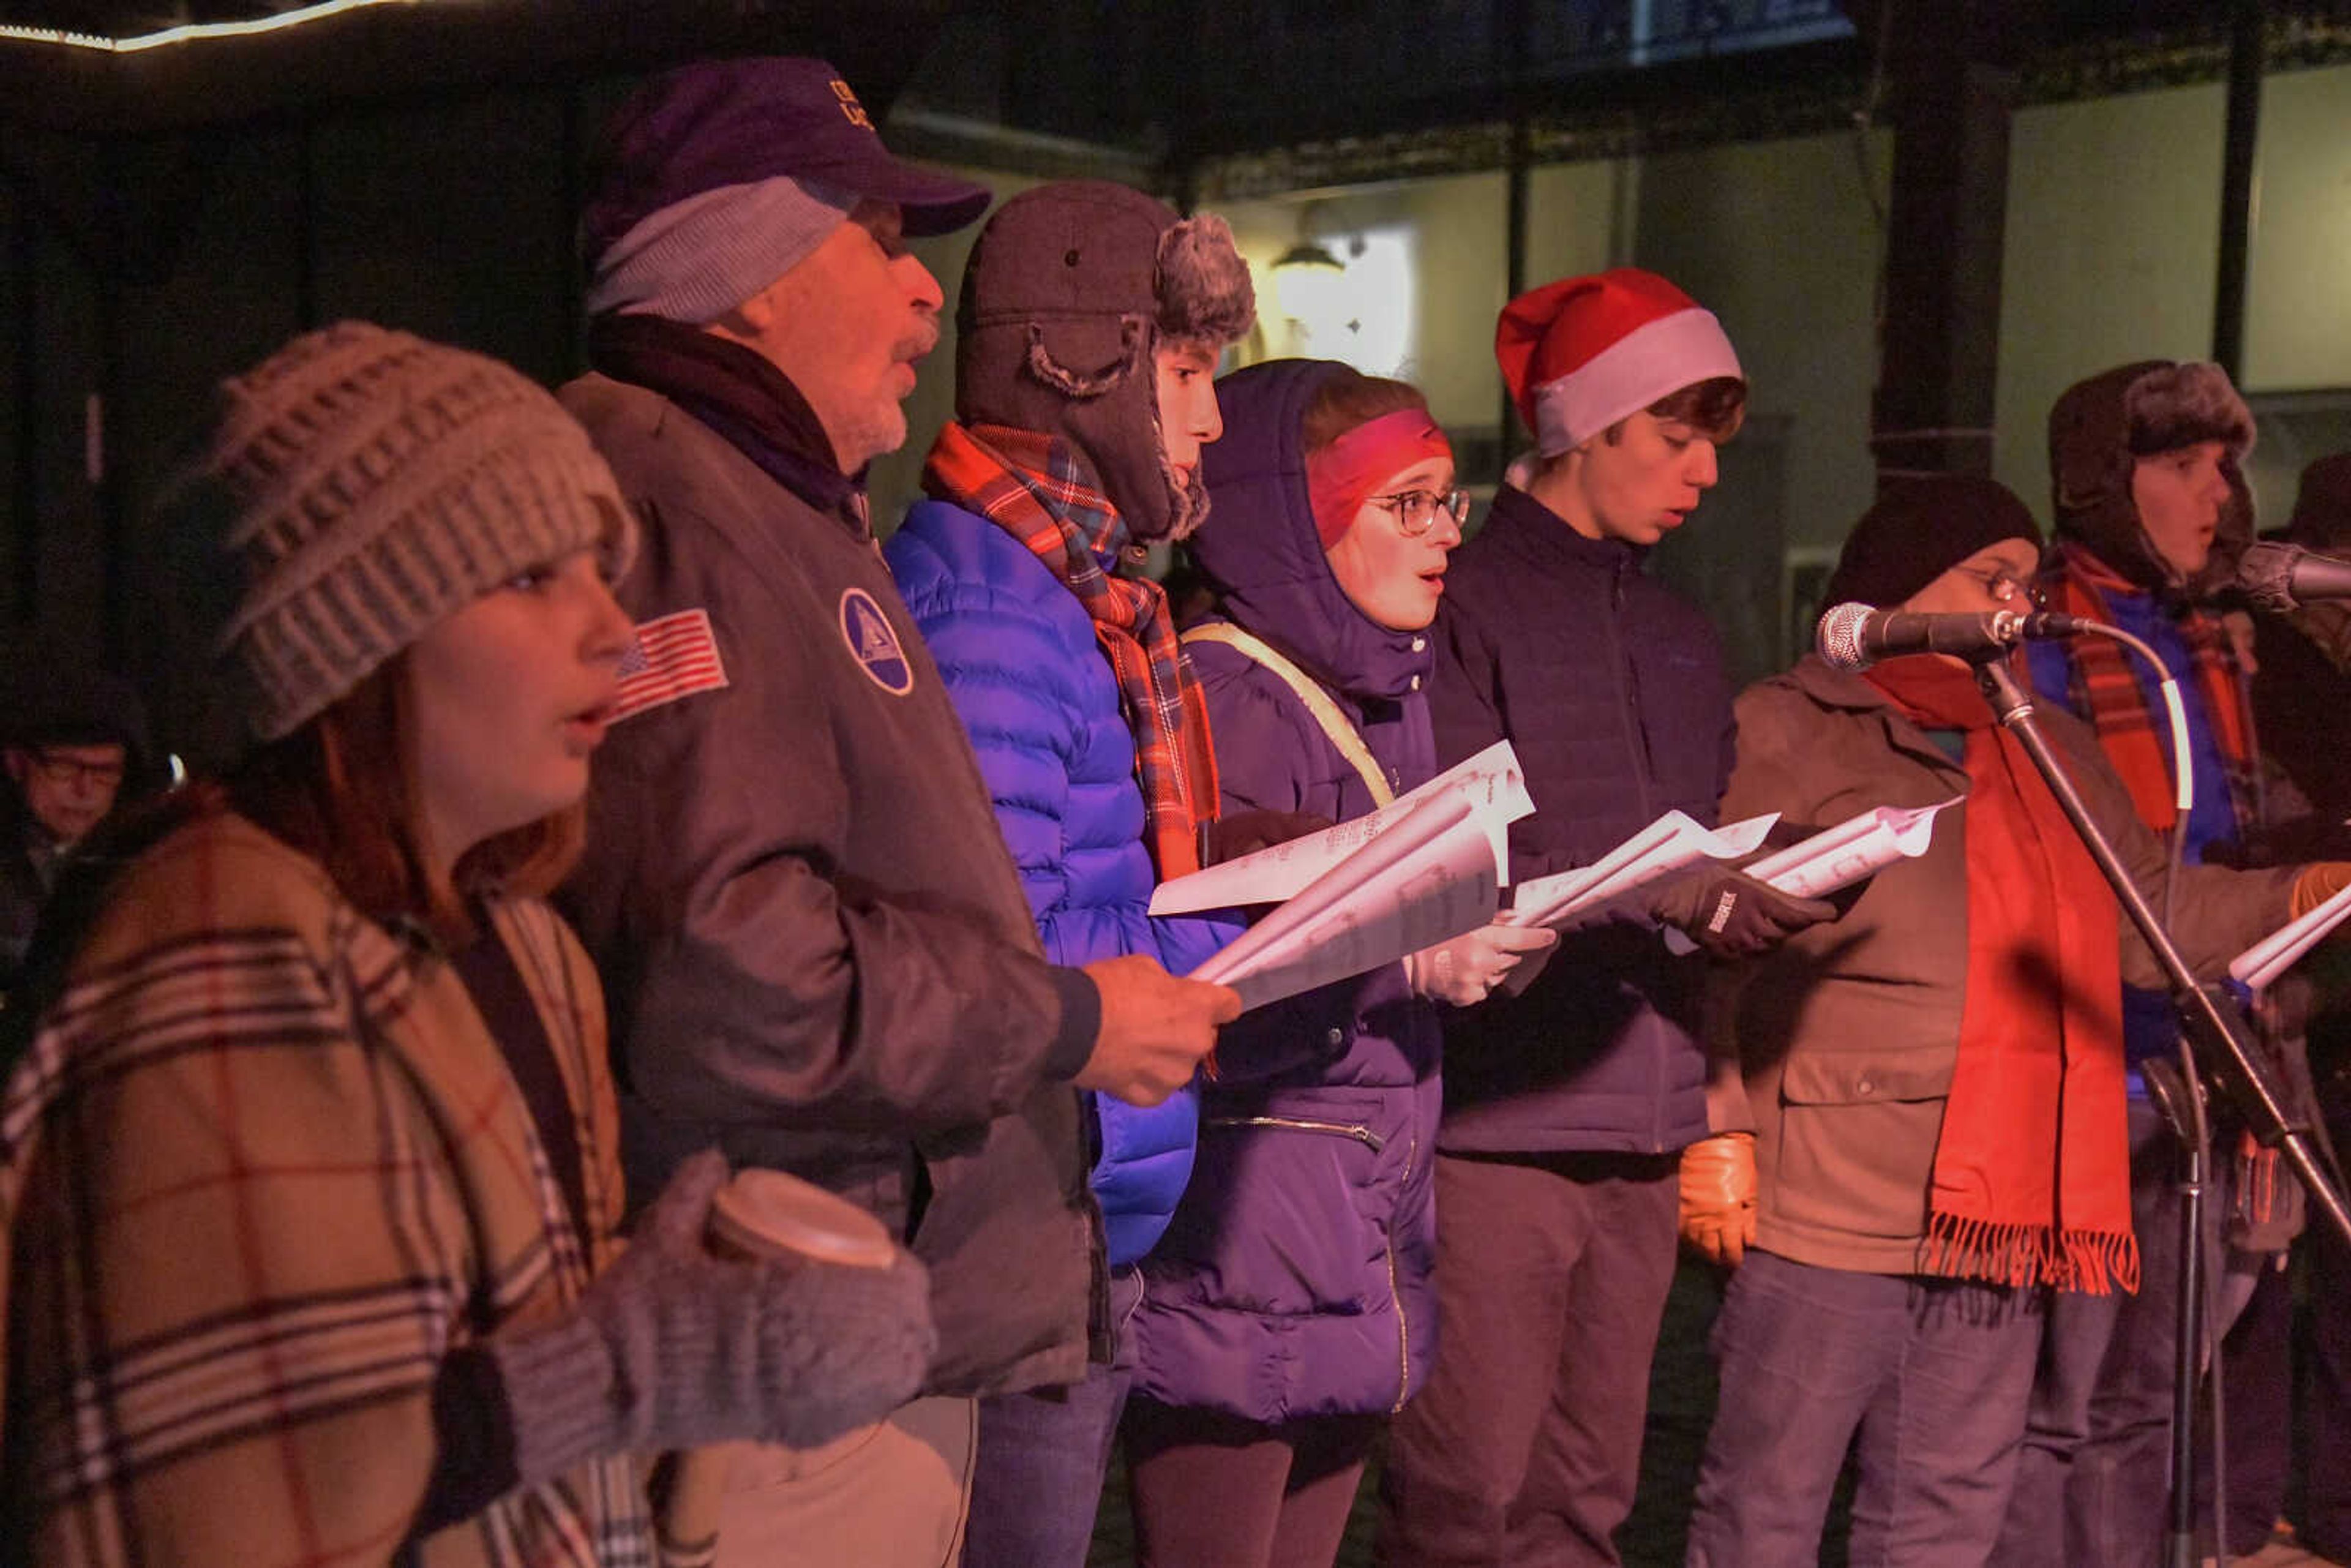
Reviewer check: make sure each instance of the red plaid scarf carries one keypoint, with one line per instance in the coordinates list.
(2105, 687)
(2032, 1180)
(1031, 485)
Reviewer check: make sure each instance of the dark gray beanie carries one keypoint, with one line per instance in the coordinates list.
(1069, 289)
(1920, 529)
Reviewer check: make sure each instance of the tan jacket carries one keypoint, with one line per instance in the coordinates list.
(1847, 1036)
(263, 1168)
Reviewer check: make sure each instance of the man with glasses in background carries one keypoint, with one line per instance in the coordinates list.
(69, 747)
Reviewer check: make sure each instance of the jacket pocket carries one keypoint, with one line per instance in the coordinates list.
(1827, 1078)
(1289, 1204)
(1855, 1146)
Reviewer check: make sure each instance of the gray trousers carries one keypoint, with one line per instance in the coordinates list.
(1932, 1374)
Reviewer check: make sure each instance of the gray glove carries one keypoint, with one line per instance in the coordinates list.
(672, 1348)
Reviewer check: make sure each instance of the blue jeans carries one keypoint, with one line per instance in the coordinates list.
(1037, 1477)
(1933, 1374)
(2098, 1450)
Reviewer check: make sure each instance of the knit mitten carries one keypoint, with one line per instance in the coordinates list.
(673, 1348)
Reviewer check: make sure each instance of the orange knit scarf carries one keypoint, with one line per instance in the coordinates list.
(2031, 1181)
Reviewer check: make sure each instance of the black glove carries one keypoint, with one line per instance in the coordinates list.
(1732, 915)
(1228, 838)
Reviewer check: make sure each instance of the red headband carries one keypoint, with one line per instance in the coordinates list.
(1340, 477)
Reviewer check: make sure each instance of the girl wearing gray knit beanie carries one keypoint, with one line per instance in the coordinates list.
(311, 1169)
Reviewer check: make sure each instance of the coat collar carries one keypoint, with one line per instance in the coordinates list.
(1847, 691)
(1537, 531)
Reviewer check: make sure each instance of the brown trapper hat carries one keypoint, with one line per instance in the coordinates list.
(1070, 287)
(2100, 427)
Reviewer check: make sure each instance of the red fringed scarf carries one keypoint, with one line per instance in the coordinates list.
(2032, 1180)
(2108, 690)
(1030, 485)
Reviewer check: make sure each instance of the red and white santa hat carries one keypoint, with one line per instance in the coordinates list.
(1580, 354)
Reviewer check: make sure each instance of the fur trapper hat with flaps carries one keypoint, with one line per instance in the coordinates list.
(1069, 289)
(2100, 428)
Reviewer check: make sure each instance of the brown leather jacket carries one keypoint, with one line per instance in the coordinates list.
(815, 948)
(1847, 1036)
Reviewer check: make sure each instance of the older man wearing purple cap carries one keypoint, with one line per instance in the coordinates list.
(817, 951)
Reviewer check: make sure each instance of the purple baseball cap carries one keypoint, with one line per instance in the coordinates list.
(715, 123)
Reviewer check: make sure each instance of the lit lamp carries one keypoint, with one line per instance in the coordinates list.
(1306, 284)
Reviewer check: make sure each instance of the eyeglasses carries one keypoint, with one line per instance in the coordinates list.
(63, 770)
(1417, 510)
(2004, 586)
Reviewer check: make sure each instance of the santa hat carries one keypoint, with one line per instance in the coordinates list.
(1580, 354)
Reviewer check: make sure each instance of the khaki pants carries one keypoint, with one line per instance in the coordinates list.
(893, 1495)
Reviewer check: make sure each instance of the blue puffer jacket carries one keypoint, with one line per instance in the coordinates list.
(1295, 1279)
(1017, 654)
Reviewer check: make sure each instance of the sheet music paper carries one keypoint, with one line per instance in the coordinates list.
(1671, 843)
(1432, 874)
(2260, 964)
(1857, 848)
(1491, 783)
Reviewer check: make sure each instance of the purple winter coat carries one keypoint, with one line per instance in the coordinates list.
(1294, 1280)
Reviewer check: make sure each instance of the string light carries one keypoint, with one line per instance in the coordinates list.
(186, 32)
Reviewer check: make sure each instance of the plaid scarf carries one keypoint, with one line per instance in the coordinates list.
(2105, 688)
(1032, 485)
(2031, 1181)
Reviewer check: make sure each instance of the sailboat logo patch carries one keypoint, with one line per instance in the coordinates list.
(874, 644)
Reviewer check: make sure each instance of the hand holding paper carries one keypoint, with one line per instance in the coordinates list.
(1668, 846)
(1466, 969)
(2259, 965)
(1489, 783)
(1857, 848)
(1431, 875)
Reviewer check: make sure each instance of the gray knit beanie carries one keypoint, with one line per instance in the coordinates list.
(361, 484)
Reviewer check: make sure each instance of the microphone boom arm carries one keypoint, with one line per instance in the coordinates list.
(2211, 1019)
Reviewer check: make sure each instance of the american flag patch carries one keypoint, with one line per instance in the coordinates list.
(673, 656)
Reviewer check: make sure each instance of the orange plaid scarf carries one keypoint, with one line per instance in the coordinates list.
(1032, 486)
(2107, 689)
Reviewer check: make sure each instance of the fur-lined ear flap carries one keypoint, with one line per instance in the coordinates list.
(1072, 383)
(2181, 404)
(1203, 285)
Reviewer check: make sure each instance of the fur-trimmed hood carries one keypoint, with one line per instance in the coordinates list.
(1071, 287)
(2098, 429)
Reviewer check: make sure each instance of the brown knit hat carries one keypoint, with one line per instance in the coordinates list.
(1069, 289)
(361, 484)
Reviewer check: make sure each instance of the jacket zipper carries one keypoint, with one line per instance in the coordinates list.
(1636, 746)
(1404, 1327)
(1362, 1134)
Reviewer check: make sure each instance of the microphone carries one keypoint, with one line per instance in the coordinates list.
(2284, 576)
(1855, 636)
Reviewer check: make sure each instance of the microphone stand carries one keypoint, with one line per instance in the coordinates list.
(2216, 1036)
